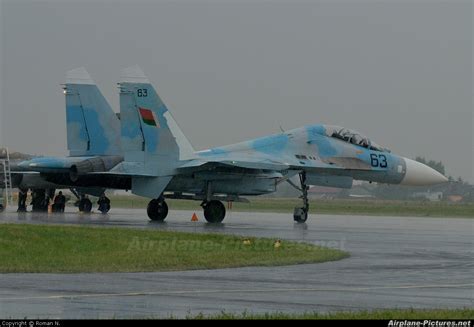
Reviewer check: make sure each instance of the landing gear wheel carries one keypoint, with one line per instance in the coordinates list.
(104, 205)
(157, 210)
(214, 211)
(85, 205)
(300, 215)
(104, 208)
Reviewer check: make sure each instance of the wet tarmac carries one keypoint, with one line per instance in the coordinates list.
(396, 262)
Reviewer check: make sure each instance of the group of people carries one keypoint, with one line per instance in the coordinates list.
(40, 201)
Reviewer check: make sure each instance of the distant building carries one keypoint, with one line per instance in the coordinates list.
(455, 198)
(431, 196)
(14, 155)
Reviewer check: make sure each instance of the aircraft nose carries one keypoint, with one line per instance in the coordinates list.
(418, 174)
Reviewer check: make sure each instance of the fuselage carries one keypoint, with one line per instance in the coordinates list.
(307, 146)
(314, 148)
(328, 160)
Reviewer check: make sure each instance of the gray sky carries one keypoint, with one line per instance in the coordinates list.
(397, 71)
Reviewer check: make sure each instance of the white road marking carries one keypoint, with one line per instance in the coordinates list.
(220, 291)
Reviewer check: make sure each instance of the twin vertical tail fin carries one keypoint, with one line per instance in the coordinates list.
(153, 143)
(149, 133)
(92, 126)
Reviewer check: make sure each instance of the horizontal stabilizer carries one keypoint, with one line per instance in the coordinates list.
(150, 187)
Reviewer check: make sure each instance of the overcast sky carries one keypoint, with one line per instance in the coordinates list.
(397, 71)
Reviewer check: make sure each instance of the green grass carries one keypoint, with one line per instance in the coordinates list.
(68, 249)
(400, 314)
(350, 207)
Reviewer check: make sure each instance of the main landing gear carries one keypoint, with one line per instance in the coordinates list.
(85, 205)
(300, 214)
(157, 209)
(214, 211)
(83, 202)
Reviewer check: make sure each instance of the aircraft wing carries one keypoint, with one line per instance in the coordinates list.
(261, 164)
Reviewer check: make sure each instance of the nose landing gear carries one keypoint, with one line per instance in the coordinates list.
(300, 214)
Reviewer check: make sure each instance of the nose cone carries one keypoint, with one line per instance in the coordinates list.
(418, 174)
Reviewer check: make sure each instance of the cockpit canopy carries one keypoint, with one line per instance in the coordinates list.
(353, 137)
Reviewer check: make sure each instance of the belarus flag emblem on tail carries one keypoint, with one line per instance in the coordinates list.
(149, 117)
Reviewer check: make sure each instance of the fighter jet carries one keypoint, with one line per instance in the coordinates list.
(93, 140)
(160, 163)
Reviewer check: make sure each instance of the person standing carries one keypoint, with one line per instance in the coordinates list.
(22, 195)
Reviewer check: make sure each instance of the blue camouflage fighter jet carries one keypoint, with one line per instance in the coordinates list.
(160, 163)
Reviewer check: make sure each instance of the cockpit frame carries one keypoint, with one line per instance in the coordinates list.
(353, 137)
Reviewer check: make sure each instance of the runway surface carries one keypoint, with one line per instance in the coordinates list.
(395, 263)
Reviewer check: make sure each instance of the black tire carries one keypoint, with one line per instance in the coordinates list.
(104, 208)
(300, 215)
(2, 207)
(157, 210)
(214, 211)
(85, 205)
